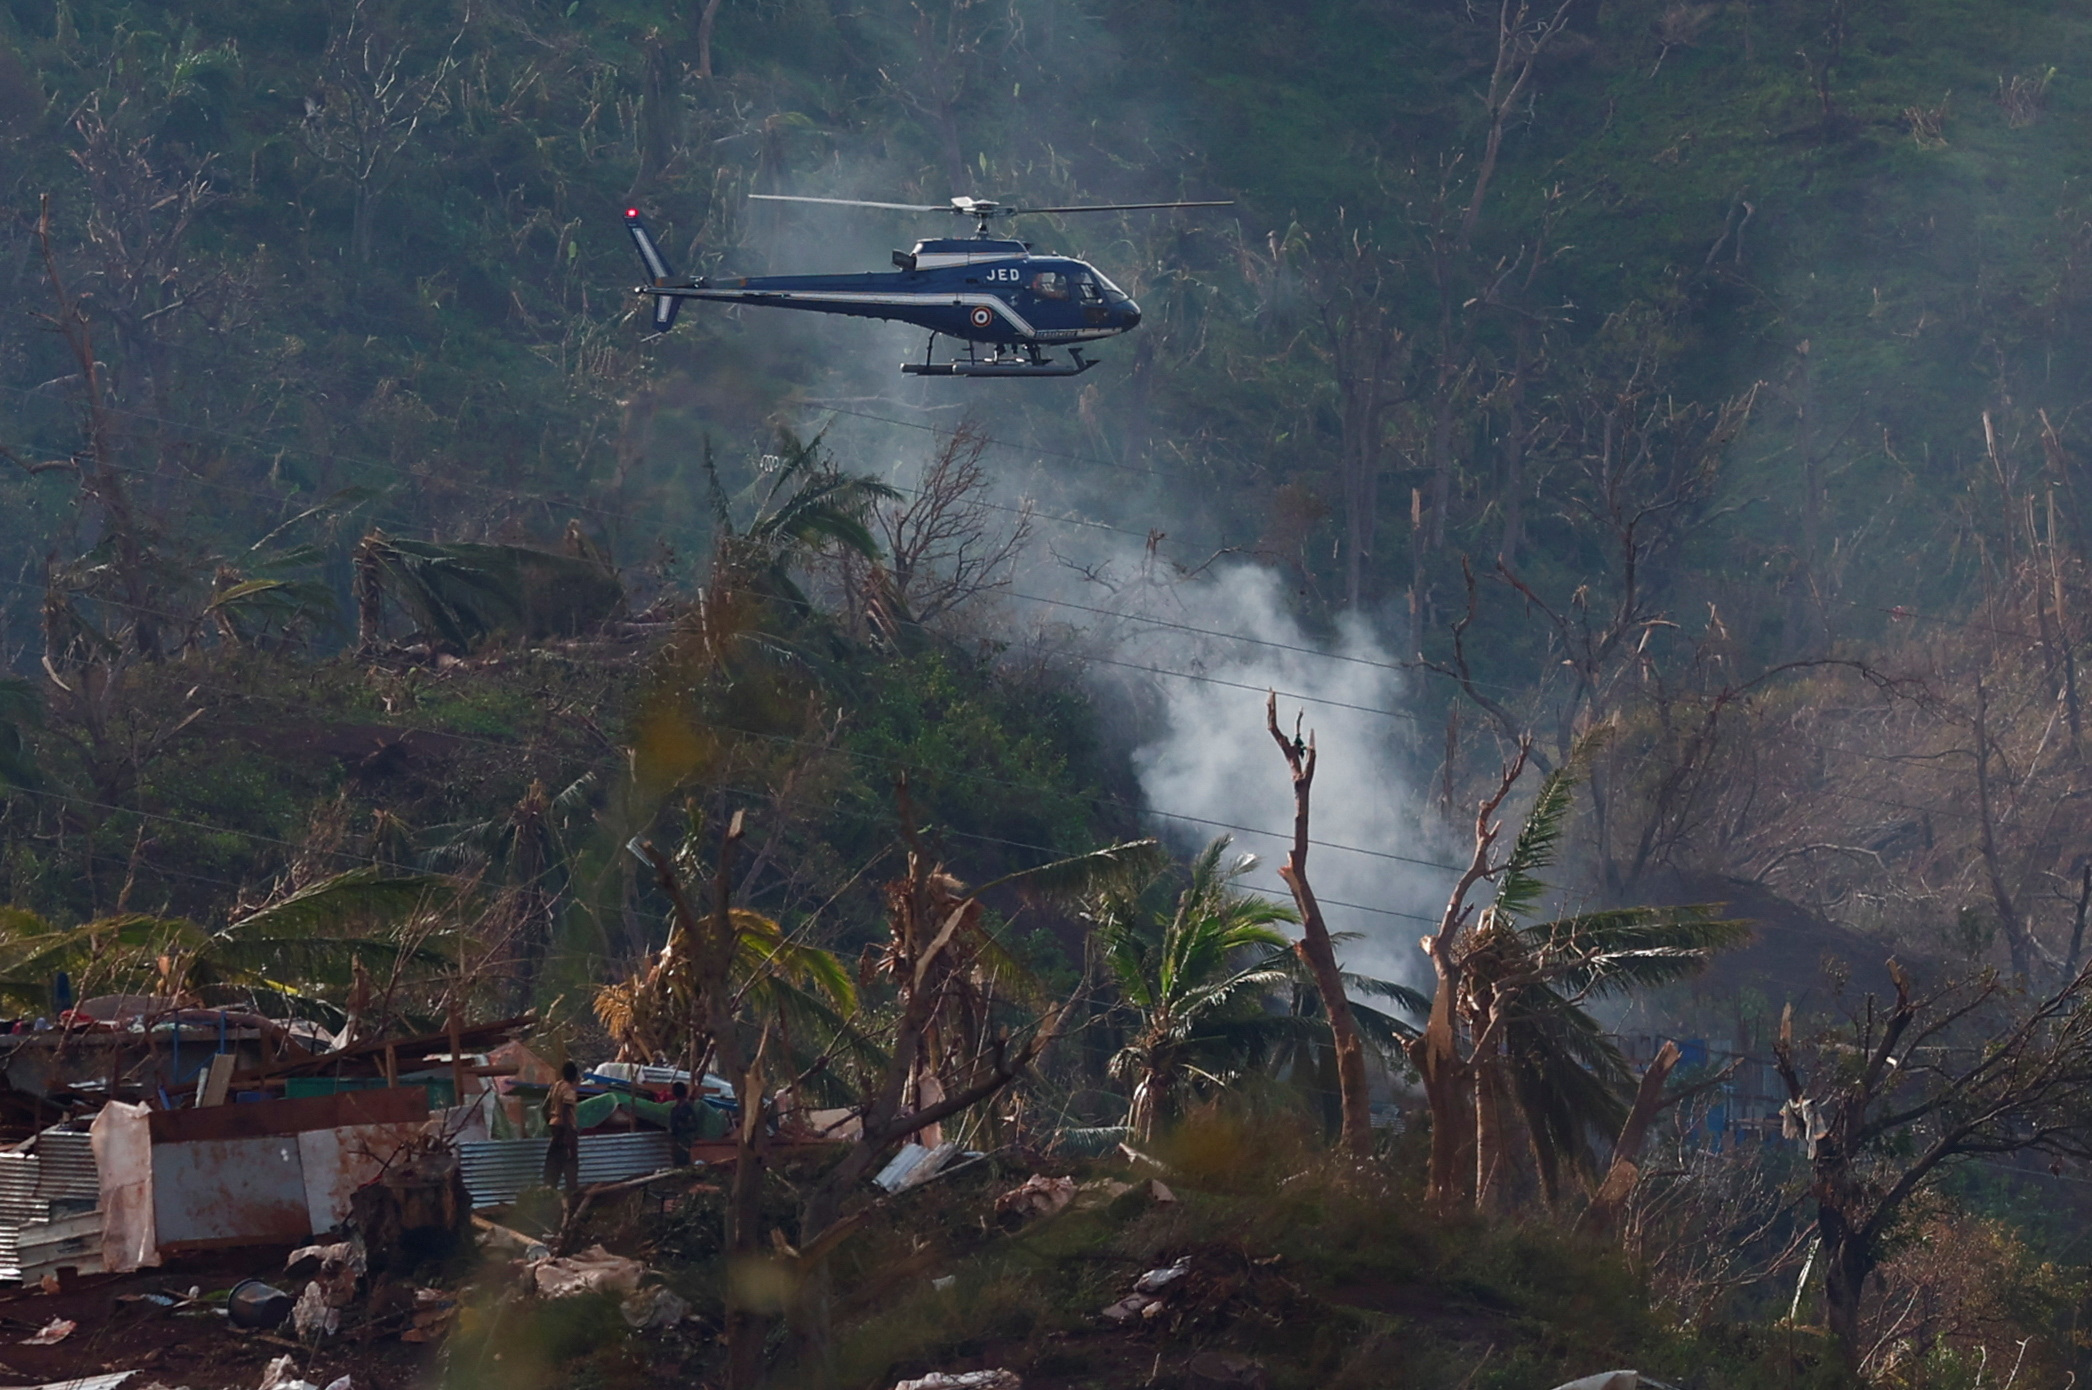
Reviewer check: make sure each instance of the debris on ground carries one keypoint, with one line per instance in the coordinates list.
(914, 1164)
(1156, 1280)
(514, 1243)
(1140, 1160)
(1146, 1299)
(432, 1315)
(1213, 1285)
(653, 1309)
(336, 1271)
(1100, 1192)
(1220, 1370)
(592, 1270)
(313, 1317)
(965, 1380)
(282, 1374)
(104, 1382)
(1039, 1195)
(251, 1303)
(51, 1334)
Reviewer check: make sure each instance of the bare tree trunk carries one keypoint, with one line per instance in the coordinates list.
(657, 103)
(370, 594)
(1993, 863)
(705, 20)
(1319, 952)
(1448, 1077)
(1517, 442)
(1489, 1128)
(99, 472)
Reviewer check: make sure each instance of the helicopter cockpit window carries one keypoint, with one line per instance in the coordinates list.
(1092, 293)
(1111, 291)
(1050, 284)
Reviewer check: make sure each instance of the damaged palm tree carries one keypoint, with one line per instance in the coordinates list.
(460, 593)
(655, 1015)
(935, 941)
(710, 941)
(1509, 1043)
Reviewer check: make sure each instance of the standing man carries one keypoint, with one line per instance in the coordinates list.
(563, 1159)
(685, 1127)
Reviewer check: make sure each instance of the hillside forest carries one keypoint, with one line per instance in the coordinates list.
(1518, 743)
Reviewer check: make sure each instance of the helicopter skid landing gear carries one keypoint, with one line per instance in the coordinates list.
(1004, 361)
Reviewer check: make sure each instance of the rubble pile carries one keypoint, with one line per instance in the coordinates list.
(1210, 1286)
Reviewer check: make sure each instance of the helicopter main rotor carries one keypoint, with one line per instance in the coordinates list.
(981, 210)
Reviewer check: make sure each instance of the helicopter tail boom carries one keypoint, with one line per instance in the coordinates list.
(665, 305)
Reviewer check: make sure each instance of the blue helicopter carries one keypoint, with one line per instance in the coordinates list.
(1006, 304)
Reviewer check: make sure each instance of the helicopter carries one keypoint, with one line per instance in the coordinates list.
(1004, 303)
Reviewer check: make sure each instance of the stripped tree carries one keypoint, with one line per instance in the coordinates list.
(1887, 1102)
(1315, 946)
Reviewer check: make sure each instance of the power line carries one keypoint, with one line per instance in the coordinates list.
(1211, 632)
(1257, 689)
(518, 495)
(505, 746)
(261, 444)
(906, 765)
(901, 763)
(1016, 448)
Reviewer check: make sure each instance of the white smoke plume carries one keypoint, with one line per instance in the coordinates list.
(1174, 656)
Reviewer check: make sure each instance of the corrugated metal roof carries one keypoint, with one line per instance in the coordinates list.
(18, 1204)
(54, 1171)
(68, 1171)
(497, 1169)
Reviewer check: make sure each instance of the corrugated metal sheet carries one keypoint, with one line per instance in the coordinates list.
(107, 1382)
(18, 1206)
(67, 1167)
(498, 1169)
(52, 1176)
(67, 1241)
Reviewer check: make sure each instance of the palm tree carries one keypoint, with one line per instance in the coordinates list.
(804, 505)
(1297, 1046)
(1515, 993)
(296, 956)
(1188, 965)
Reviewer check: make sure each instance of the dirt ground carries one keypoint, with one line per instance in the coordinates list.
(191, 1347)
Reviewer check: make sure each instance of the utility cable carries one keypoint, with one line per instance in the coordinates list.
(977, 778)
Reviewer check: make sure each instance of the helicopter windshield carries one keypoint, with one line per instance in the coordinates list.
(1111, 291)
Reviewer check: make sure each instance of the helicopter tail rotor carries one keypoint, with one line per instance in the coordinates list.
(665, 305)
